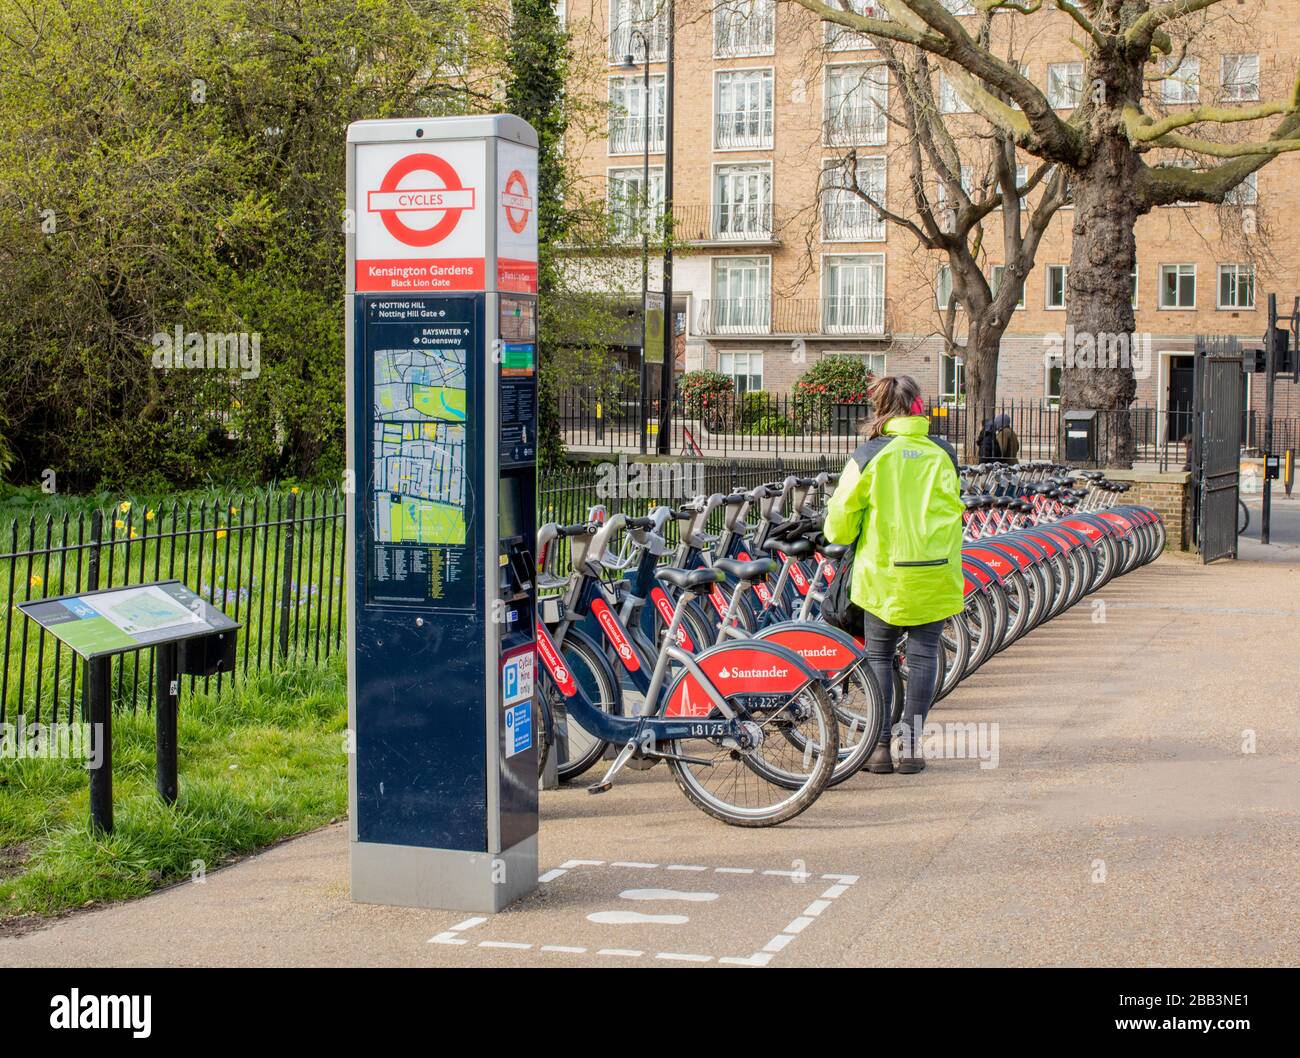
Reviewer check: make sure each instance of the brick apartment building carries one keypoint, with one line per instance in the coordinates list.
(778, 269)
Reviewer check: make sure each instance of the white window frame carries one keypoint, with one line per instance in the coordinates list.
(959, 7)
(1245, 193)
(648, 16)
(757, 224)
(730, 369)
(1055, 85)
(1064, 269)
(762, 318)
(732, 43)
(840, 38)
(1238, 271)
(655, 199)
(956, 397)
(1181, 274)
(939, 281)
(1136, 286)
(874, 310)
(867, 230)
(1050, 399)
(1237, 90)
(654, 110)
(766, 77)
(950, 100)
(1182, 84)
(877, 364)
(858, 134)
(995, 284)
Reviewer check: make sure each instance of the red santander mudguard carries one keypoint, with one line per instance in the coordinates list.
(751, 667)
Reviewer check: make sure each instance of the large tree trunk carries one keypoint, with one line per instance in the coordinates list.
(983, 343)
(1098, 366)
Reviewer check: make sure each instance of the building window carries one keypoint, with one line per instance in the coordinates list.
(1052, 382)
(950, 100)
(943, 287)
(846, 215)
(741, 294)
(1058, 281)
(1236, 286)
(873, 362)
(995, 284)
(745, 369)
(853, 294)
(857, 102)
(1182, 84)
(628, 121)
(632, 207)
(841, 38)
(1065, 84)
(1134, 277)
(1245, 193)
(1239, 75)
(952, 380)
(744, 109)
(959, 7)
(1178, 286)
(626, 18)
(744, 27)
(743, 201)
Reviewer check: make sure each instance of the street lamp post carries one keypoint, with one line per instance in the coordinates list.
(629, 62)
(664, 446)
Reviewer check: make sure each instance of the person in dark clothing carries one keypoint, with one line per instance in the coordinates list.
(1005, 440)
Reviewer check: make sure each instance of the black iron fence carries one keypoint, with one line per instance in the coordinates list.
(271, 561)
(790, 424)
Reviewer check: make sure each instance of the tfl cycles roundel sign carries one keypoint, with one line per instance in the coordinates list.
(420, 216)
(443, 198)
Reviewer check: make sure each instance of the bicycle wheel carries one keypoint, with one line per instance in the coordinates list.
(794, 750)
(541, 725)
(856, 698)
(957, 642)
(577, 750)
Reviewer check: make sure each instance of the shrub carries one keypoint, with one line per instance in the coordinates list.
(708, 396)
(759, 415)
(832, 380)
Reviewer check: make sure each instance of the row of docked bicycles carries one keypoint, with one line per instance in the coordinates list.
(693, 635)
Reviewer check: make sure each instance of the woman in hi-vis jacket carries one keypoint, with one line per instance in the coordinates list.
(899, 497)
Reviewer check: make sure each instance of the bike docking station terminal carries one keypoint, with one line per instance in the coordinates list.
(442, 408)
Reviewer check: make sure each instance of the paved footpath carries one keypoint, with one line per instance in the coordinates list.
(1127, 822)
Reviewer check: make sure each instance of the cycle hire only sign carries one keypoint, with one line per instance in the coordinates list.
(422, 216)
(517, 223)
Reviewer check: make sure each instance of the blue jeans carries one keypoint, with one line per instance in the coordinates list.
(922, 647)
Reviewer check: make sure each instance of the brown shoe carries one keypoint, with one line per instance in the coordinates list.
(880, 762)
(910, 761)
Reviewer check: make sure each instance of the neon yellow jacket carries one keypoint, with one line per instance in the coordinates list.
(899, 497)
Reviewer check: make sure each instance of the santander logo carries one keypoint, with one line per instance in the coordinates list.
(614, 632)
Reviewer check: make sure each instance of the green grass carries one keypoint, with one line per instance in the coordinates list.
(257, 764)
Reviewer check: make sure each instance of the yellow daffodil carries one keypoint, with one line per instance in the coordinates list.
(124, 506)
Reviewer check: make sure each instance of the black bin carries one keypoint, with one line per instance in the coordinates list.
(1081, 436)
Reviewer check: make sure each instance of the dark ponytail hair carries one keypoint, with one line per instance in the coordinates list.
(892, 396)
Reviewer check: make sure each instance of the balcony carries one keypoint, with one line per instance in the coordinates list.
(844, 316)
(851, 220)
(855, 126)
(747, 129)
(745, 224)
(624, 41)
(737, 34)
(627, 134)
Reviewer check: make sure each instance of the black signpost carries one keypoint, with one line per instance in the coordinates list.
(188, 636)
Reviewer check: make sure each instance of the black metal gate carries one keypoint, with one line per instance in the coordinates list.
(1218, 392)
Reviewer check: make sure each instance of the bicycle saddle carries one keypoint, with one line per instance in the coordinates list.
(796, 548)
(755, 569)
(696, 580)
(835, 552)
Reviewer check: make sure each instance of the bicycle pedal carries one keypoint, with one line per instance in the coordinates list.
(600, 787)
